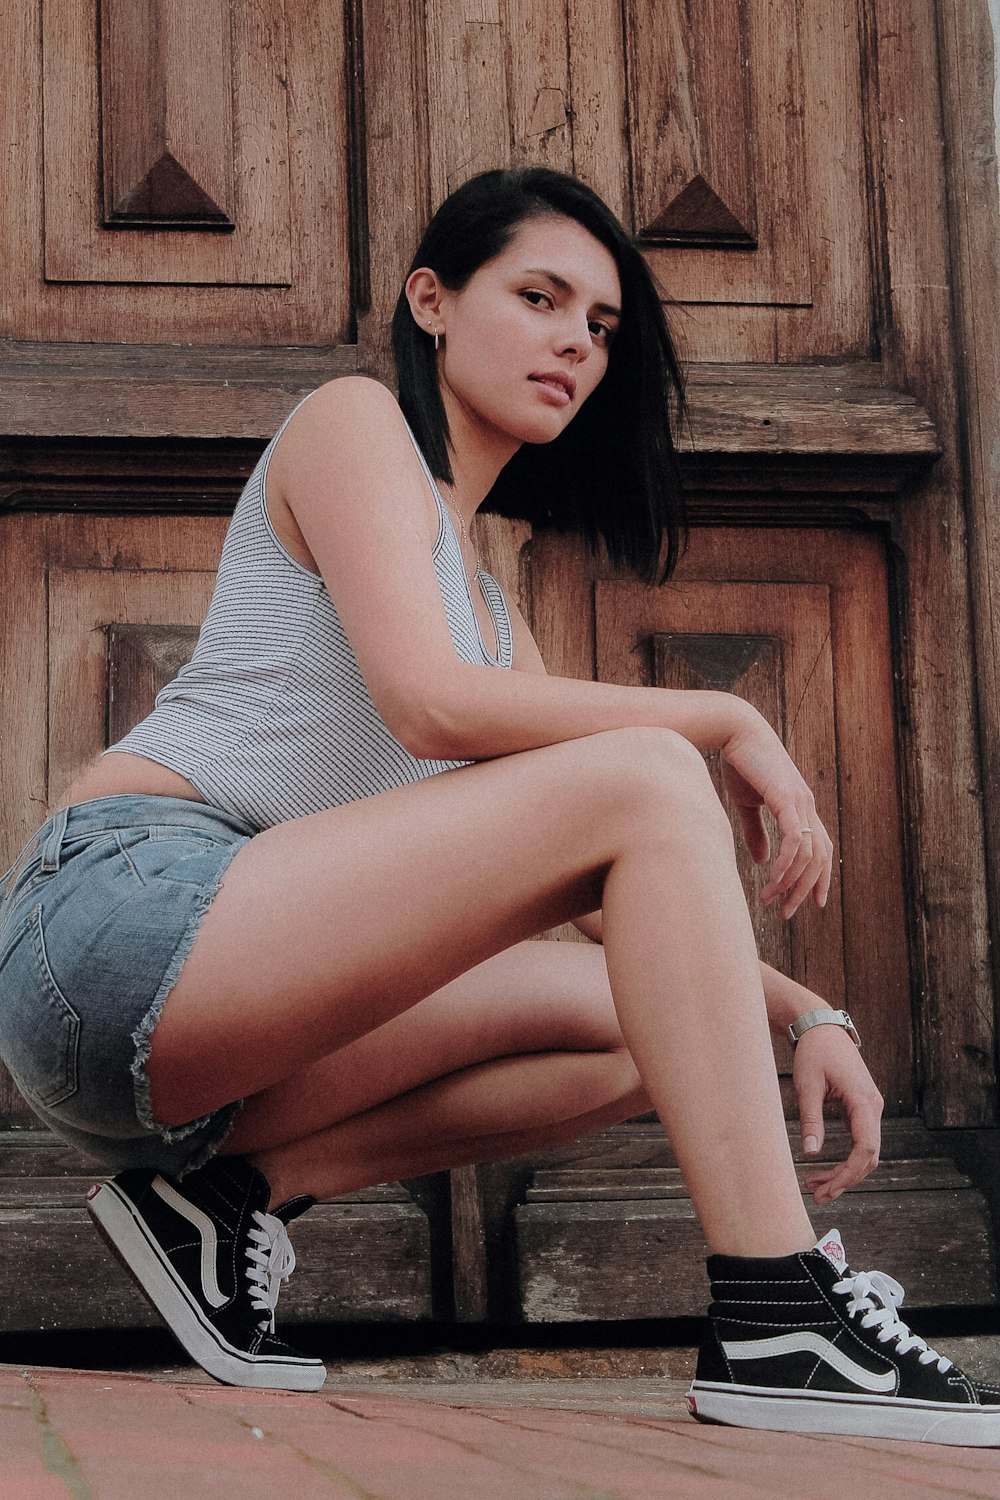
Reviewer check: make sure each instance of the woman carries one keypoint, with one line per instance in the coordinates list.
(294, 906)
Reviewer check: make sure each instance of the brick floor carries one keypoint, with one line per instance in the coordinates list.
(77, 1435)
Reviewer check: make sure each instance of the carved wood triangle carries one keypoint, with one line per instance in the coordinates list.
(698, 215)
(168, 191)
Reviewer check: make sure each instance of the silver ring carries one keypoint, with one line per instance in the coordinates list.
(807, 830)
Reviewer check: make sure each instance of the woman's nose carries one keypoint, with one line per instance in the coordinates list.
(575, 339)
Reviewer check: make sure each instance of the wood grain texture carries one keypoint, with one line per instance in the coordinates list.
(643, 1144)
(952, 964)
(596, 1184)
(868, 436)
(497, 86)
(596, 49)
(694, 124)
(968, 73)
(540, 88)
(468, 1245)
(166, 112)
(467, 104)
(717, 99)
(594, 1259)
(310, 91)
(78, 246)
(399, 191)
(840, 320)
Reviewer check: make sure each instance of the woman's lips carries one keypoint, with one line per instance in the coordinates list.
(554, 389)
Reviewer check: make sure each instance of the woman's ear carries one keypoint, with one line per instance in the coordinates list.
(424, 293)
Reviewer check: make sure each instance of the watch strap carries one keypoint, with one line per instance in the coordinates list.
(823, 1018)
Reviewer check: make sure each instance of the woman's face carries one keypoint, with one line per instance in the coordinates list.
(526, 340)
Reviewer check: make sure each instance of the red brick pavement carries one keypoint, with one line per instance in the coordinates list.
(71, 1435)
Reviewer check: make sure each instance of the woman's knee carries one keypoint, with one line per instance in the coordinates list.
(657, 780)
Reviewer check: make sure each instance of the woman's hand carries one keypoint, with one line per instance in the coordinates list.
(758, 772)
(827, 1067)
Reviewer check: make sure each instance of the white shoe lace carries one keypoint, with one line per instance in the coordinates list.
(878, 1296)
(272, 1261)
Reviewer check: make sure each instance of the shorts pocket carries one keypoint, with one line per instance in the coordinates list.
(39, 1029)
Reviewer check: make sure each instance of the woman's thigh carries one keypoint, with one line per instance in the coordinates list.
(328, 926)
(534, 997)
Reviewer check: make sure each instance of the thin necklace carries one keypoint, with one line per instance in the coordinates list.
(470, 566)
(461, 522)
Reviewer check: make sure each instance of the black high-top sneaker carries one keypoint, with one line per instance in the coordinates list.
(210, 1258)
(804, 1344)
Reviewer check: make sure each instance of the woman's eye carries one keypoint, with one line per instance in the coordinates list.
(601, 331)
(537, 299)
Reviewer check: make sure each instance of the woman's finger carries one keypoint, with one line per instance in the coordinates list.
(810, 868)
(828, 1184)
(862, 1161)
(794, 857)
(807, 881)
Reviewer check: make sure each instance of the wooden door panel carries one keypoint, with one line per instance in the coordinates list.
(166, 91)
(815, 603)
(182, 144)
(183, 173)
(717, 148)
(141, 660)
(94, 650)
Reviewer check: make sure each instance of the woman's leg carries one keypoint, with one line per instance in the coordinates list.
(523, 1051)
(327, 927)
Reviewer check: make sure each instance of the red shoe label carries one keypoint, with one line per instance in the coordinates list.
(833, 1248)
(692, 1405)
(93, 1192)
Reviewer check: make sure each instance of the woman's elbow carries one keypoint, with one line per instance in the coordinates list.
(427, 729)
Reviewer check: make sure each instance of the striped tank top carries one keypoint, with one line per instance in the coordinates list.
(271, 718)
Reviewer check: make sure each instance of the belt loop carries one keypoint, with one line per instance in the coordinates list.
(53, 844)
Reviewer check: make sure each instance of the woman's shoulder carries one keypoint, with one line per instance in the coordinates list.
(348, 436)
(350, 418)
(357, 396)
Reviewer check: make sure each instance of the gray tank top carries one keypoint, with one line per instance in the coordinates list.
(271, 718)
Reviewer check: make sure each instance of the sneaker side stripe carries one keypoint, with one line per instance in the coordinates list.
(811, 1343)
(214, 1295)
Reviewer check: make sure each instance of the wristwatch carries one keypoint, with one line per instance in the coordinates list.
(823, 1018)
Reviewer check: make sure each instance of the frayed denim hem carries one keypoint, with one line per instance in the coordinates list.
(225, 1119)
(143, 1035)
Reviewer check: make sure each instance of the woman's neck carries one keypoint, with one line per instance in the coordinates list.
(478, 453)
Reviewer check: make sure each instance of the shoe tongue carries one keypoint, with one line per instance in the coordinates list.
(831, 1247)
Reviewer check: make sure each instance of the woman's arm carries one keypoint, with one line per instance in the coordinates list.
(828, 1069)
(347, 471)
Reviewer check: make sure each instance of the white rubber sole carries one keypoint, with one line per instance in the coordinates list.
(126, 1234)
(776, 1410)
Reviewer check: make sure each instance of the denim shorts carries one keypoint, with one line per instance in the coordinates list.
(97, 915)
